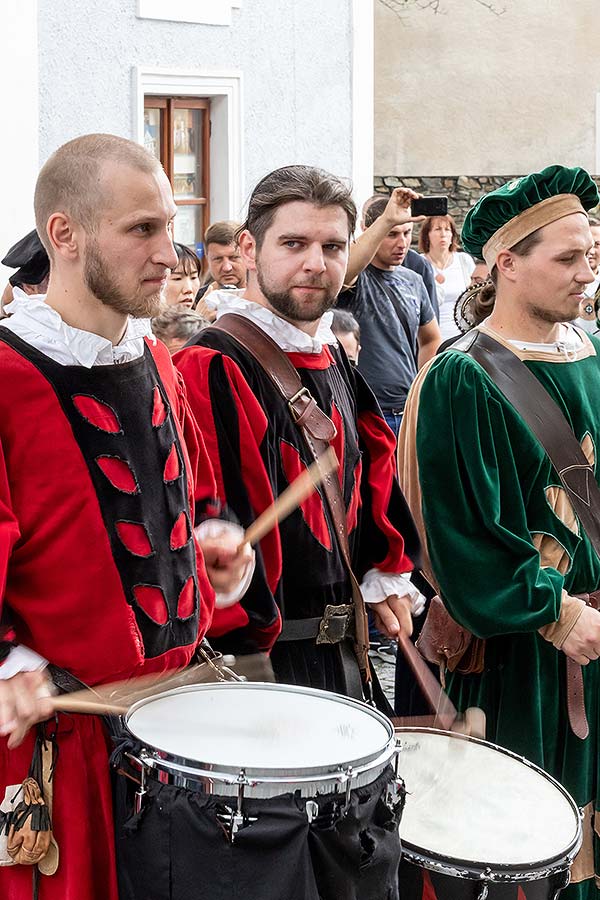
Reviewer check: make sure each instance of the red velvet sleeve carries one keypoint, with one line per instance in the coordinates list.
(9, 535)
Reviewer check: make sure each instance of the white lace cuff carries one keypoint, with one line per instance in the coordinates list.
(21, 659)
(376, 586)
(213, 528)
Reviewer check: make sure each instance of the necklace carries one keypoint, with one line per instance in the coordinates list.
(439, 269)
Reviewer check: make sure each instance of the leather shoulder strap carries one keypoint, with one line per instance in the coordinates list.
(318, 430)
(303, 407)
(547, 422)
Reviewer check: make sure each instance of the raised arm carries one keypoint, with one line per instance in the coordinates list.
(397, 212)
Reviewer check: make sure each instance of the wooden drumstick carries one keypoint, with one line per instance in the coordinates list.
(117, 697)
(74, 703)
(300, 488)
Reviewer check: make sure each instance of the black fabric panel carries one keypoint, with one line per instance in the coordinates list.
(128, 390)
(176, 848)
(258, 603)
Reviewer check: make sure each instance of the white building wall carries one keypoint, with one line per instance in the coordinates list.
(467, 91)
(295, 60)
(19, 145)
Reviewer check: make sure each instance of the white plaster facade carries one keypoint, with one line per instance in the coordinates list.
(282, 74)
(467, 91)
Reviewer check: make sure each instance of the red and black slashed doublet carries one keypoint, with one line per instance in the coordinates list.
(257, 451)
(99, 472)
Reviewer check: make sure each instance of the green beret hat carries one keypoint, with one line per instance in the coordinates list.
(519, 208)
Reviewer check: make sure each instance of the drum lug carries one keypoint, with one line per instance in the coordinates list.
(312, 810)
(395, 793)
(485, 888)
(483, 891)
(346, 778)
(565, 884)
(141, 792)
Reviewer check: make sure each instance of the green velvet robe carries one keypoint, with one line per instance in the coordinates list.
(503, 543)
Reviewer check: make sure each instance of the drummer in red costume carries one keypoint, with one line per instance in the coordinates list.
(103, 475)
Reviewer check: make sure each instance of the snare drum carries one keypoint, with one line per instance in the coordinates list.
(480, 820)
(258, 791)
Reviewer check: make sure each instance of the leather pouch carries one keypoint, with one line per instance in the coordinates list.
(30, 832)
(447, 644)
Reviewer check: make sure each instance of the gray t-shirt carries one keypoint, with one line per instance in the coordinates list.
(390, 307)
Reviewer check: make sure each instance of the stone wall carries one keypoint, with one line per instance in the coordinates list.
(462, 191)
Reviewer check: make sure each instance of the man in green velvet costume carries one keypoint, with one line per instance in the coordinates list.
(504, 545)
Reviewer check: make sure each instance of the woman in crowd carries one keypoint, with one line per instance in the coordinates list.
(438, 242)
(184, 280)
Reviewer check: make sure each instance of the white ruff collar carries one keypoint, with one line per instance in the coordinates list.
(286, 336)
(38, 324)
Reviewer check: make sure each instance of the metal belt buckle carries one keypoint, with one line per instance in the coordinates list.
(336, 623)
(303, 392)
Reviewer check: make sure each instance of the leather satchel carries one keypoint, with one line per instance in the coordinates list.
(447, 644)
(444, 638)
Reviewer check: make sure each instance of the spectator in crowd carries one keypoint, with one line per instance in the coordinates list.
(412, 260)
(474, 305)
(347, 331)
(184, 279)
(225, 267)
(398, 326)
(438, 242)
(30, 259)
(480, 273)
(175, 326)
(588, 308)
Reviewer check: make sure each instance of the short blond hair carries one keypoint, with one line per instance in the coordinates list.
(70, 181)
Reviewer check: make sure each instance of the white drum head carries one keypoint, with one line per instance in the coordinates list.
(469, 800)
(264, 728)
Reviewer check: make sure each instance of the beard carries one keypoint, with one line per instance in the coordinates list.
(297, 310)
(552, 316)
(105, 287)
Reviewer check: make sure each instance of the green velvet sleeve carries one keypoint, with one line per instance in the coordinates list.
(475, 458)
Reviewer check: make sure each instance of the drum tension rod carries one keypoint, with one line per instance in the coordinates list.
(565, 884)
(141, 791)
(237, 820)
(346, 778)
(396, 789)
(484, 890)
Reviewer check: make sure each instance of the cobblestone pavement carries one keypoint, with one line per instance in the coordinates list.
(386, 673)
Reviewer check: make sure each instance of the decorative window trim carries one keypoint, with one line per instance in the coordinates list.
(199, 12)
(225, 89)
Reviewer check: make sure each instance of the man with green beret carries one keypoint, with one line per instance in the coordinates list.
(505, 548)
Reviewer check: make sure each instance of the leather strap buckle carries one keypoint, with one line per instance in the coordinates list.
(302, 394)
(337, 623)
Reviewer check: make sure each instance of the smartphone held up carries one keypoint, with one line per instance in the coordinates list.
(429, 206)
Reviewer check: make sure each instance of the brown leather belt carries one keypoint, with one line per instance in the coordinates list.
(575, 696)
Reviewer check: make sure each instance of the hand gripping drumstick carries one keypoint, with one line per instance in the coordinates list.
(300, 488)
(445, 716)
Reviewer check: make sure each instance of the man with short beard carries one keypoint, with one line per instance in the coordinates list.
(103, 475)
(294, 244)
